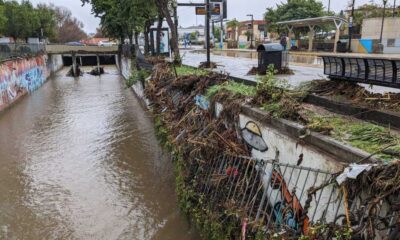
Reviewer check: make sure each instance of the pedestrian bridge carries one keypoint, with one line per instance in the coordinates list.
(81, 50)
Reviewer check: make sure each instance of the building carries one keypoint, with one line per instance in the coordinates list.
(182, 31)
(244, 30)
(371, 31)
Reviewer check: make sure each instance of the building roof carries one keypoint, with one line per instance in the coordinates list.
(193, 27)
(312, 21)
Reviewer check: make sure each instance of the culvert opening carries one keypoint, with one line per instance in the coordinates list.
(90, 60)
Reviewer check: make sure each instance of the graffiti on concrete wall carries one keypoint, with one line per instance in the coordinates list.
(18, 77)
(251, 133)
(285, 208)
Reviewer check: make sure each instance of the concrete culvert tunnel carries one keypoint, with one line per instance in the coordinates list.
(90, 60)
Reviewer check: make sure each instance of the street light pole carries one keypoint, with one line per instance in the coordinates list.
(208, 63)
(329, 6)
(351, 25)
(252, 30)
(383, 21)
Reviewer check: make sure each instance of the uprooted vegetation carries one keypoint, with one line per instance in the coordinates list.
(196, 138)
(274, 96)
(354, 93)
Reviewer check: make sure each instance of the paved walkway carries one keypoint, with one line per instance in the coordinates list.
(239, 67)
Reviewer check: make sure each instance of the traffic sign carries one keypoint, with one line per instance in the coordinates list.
(201, 11)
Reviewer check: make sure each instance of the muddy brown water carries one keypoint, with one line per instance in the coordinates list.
(79, 160)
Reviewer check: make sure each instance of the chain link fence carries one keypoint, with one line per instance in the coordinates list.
(10, 51)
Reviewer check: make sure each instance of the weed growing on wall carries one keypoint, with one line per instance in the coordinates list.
(137, 75)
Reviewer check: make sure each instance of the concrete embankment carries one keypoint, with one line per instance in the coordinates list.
(241, 172)
(21, 76)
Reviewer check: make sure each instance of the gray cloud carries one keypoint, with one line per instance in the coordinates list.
(236, 9)
(82, 13)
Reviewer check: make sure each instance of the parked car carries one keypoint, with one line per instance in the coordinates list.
(74, 44)
(106, 44)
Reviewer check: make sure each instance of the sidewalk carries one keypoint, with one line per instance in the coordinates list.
(239, 67)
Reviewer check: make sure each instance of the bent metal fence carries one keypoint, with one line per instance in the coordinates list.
(276, 196)
(10, 51)
(369, 70)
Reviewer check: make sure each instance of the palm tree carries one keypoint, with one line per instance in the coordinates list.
(233, 24)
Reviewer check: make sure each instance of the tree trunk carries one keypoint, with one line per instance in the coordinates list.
(137, 38)
(158, 38)
(162, 6)
(238, 36)
(174, 39)
(146, 38)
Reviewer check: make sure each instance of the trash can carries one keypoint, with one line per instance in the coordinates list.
(271, 54)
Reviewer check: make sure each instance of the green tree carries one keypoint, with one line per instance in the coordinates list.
(371, 10)
(293, 9)
(3, 19)
(47, 21)
(236, 27)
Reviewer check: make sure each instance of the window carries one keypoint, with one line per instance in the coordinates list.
(391, 42)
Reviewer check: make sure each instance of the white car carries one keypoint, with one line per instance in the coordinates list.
(105, 44)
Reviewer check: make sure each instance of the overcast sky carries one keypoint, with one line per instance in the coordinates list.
(236, 9)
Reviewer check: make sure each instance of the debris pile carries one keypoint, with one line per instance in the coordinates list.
(356, 94)
(204, 65)
(283, 71)
(199, 139)
(187, 126)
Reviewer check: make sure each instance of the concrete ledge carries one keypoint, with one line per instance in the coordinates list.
(345, 153)
(380, 117)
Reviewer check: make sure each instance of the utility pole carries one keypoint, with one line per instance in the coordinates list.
(394, 8)
(252, 30)
(221, 41)
(329, 6)
(383, 21)
(208, 63)
(351, 25)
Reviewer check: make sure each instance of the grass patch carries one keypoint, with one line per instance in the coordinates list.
(366, 136)
(185, 71)
(232, 87)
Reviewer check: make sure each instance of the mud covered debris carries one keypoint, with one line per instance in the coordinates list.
(356, 94)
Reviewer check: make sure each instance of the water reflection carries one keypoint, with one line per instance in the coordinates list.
(79, 160)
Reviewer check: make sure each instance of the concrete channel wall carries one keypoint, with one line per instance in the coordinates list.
(300, 163)
(19, 77)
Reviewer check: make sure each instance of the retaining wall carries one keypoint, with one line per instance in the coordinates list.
(19, 77)
(289, 163)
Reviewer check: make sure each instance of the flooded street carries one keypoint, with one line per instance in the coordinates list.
(79, 160)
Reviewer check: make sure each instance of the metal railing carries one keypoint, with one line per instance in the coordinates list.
(278, 196)
(383, 72)
(270, 193)
(10, 51)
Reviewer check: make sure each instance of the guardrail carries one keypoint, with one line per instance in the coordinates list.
(9, 51)
(370, 70)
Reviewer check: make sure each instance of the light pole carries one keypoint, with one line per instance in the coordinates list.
(351, 25)
(383, 21)
(394, 8)
(329, 6)
(208, 32)
(252, 30)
